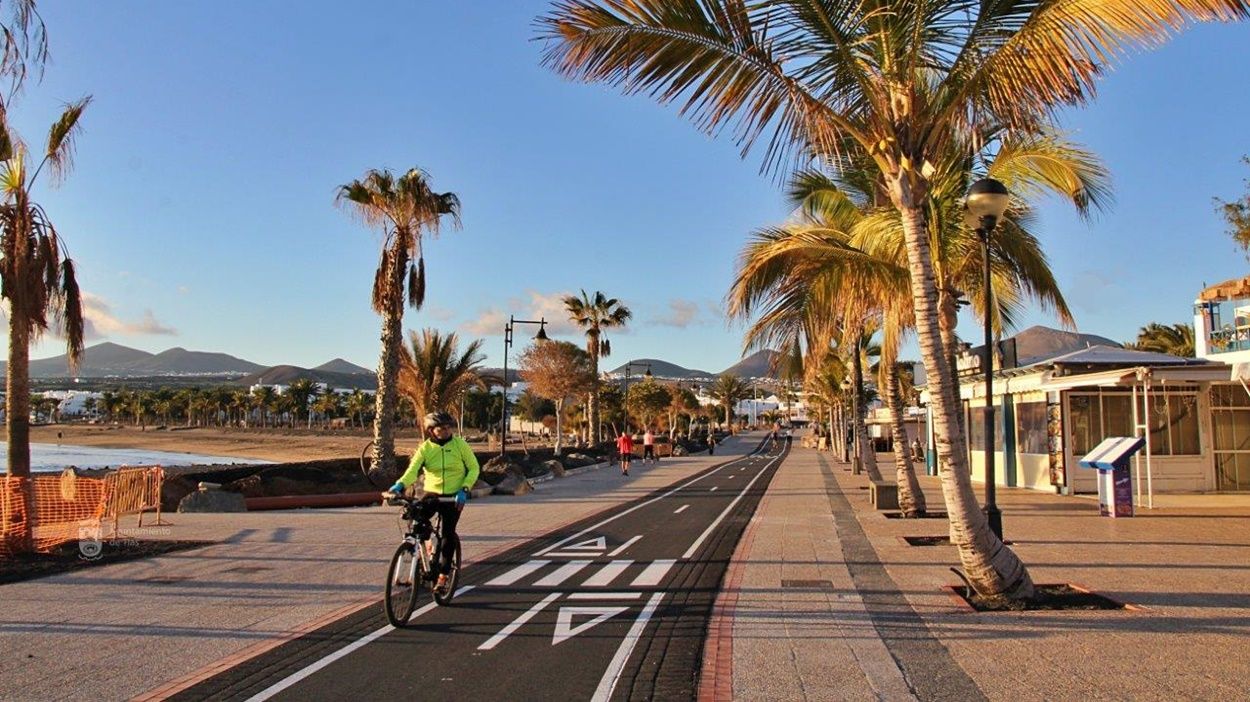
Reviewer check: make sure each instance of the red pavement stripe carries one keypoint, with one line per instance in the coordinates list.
(716, 676)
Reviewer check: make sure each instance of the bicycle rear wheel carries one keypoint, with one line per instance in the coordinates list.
(402, 580)
(443, 596)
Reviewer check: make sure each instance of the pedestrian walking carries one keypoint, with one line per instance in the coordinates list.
(648, 446)
(711, 443)
(625, 447)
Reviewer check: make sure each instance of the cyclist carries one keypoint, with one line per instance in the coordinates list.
(450, 469)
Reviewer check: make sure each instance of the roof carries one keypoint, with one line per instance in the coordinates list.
(1109, 355)
(1235, 289)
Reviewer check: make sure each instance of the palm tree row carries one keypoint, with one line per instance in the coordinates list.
(911, 89)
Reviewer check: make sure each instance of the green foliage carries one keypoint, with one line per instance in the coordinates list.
(532, 408)
(648, 399)
(1176, 339)
(483, 409)
(1237, 215)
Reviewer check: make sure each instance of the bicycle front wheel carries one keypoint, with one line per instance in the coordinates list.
(402, 581)
(443, 595)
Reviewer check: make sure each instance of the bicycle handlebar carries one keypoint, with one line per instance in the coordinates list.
(395, 500)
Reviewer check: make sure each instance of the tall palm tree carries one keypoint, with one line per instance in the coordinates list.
(405, 208)
(1174, 339)
(901, 81)
(301, 391)
(434, 373)
(595, 314)
(40, 284)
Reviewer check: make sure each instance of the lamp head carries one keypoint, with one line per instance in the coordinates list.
(542, 331)
(988, 198)
(648, 373)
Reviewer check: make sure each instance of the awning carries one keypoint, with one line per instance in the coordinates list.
(1126, 377)
(1235, 289)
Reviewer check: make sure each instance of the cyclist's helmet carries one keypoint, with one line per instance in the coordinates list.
(438, 419)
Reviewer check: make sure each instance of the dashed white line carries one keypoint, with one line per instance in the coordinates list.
(624, 546)
(562, 573)
(699, 541)
(681, 509)
(653, 574)
(517, 573)
(607, 574)
(714, 489)
(605, 595)
(517, 623)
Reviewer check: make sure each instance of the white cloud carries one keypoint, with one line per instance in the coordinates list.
(99, 321)
(533, 305)
(440, 314)
(681, 314)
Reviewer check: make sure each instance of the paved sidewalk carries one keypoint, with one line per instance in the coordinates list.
(117, 631)
(824, 601)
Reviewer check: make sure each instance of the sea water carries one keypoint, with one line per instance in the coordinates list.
(55, 457)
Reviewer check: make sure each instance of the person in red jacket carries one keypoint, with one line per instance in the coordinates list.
(625, 446)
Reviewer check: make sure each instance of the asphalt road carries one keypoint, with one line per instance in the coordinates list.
(614, 607)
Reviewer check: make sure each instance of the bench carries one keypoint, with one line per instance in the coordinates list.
(883, 494)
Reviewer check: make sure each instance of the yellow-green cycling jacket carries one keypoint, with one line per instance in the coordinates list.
(447, 468)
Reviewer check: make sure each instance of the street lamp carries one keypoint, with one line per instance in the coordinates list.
(628, 366)
(985, 205)
(507, 342)
(852, 444)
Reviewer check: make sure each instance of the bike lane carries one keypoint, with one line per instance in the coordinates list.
(614, 607)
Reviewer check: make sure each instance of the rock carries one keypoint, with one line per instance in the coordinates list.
(577, 460)
(513, 484)
(499, 465)
(212, 501)
(481, 489)
(679, 450)
(556, 467)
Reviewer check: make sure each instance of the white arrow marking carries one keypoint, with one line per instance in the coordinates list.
(564, 622)
(625, 545)
(517, 623)
(681, 509)
(599, 544)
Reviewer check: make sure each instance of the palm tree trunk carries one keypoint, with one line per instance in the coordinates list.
(992, 568)
(559, 425)
(948, 319)
(910, 498)
(867, 454)
(592, 400)
(388, 365)
(17, 414)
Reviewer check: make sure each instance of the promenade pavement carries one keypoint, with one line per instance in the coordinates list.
(124, 630)
(824, 601)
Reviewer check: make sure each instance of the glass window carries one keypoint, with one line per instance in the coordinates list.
(1173, 421)
(1031, 427)
(976, 428)
(1082, 412)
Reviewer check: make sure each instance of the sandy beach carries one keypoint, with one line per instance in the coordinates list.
(278, 445)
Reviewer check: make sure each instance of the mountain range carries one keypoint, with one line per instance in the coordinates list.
(113, 361)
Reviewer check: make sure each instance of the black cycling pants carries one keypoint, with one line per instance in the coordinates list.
(648, 451)
(451, 515)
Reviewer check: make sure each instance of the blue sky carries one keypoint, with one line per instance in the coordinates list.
(201, 209)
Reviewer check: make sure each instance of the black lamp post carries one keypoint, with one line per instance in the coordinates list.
(986, 203)
(507, 342)
(628, 366)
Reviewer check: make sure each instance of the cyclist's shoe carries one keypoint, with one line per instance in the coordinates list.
(442, 583)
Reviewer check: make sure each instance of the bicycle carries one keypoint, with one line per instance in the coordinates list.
(416, 561)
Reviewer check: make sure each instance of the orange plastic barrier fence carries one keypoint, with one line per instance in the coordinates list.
(133, 491)
(68, 508)
(63, 508)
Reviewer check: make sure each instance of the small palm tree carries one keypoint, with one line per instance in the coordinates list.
(595, 314)
(405, 208)
(729, 390)
(1175, 339)
(301, 392)
(433, 373)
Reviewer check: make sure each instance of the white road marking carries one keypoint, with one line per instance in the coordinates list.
(562, 573)
(614, 517)
(624, 546)
(681, 509)
(517, 623)
(599, 544)
(564, 621)
(613, 674)
(517, 573)
(318, 665)
(607, 574)
(605, 595)
(653, 574)
(699, 541)
(714, 489)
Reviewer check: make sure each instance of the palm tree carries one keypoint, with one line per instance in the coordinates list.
(901, 83)
(594, 315)
(729, 390)
(405, 208)
(433, 373)
(40, 283)
(1175, 339)
(301, 392)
